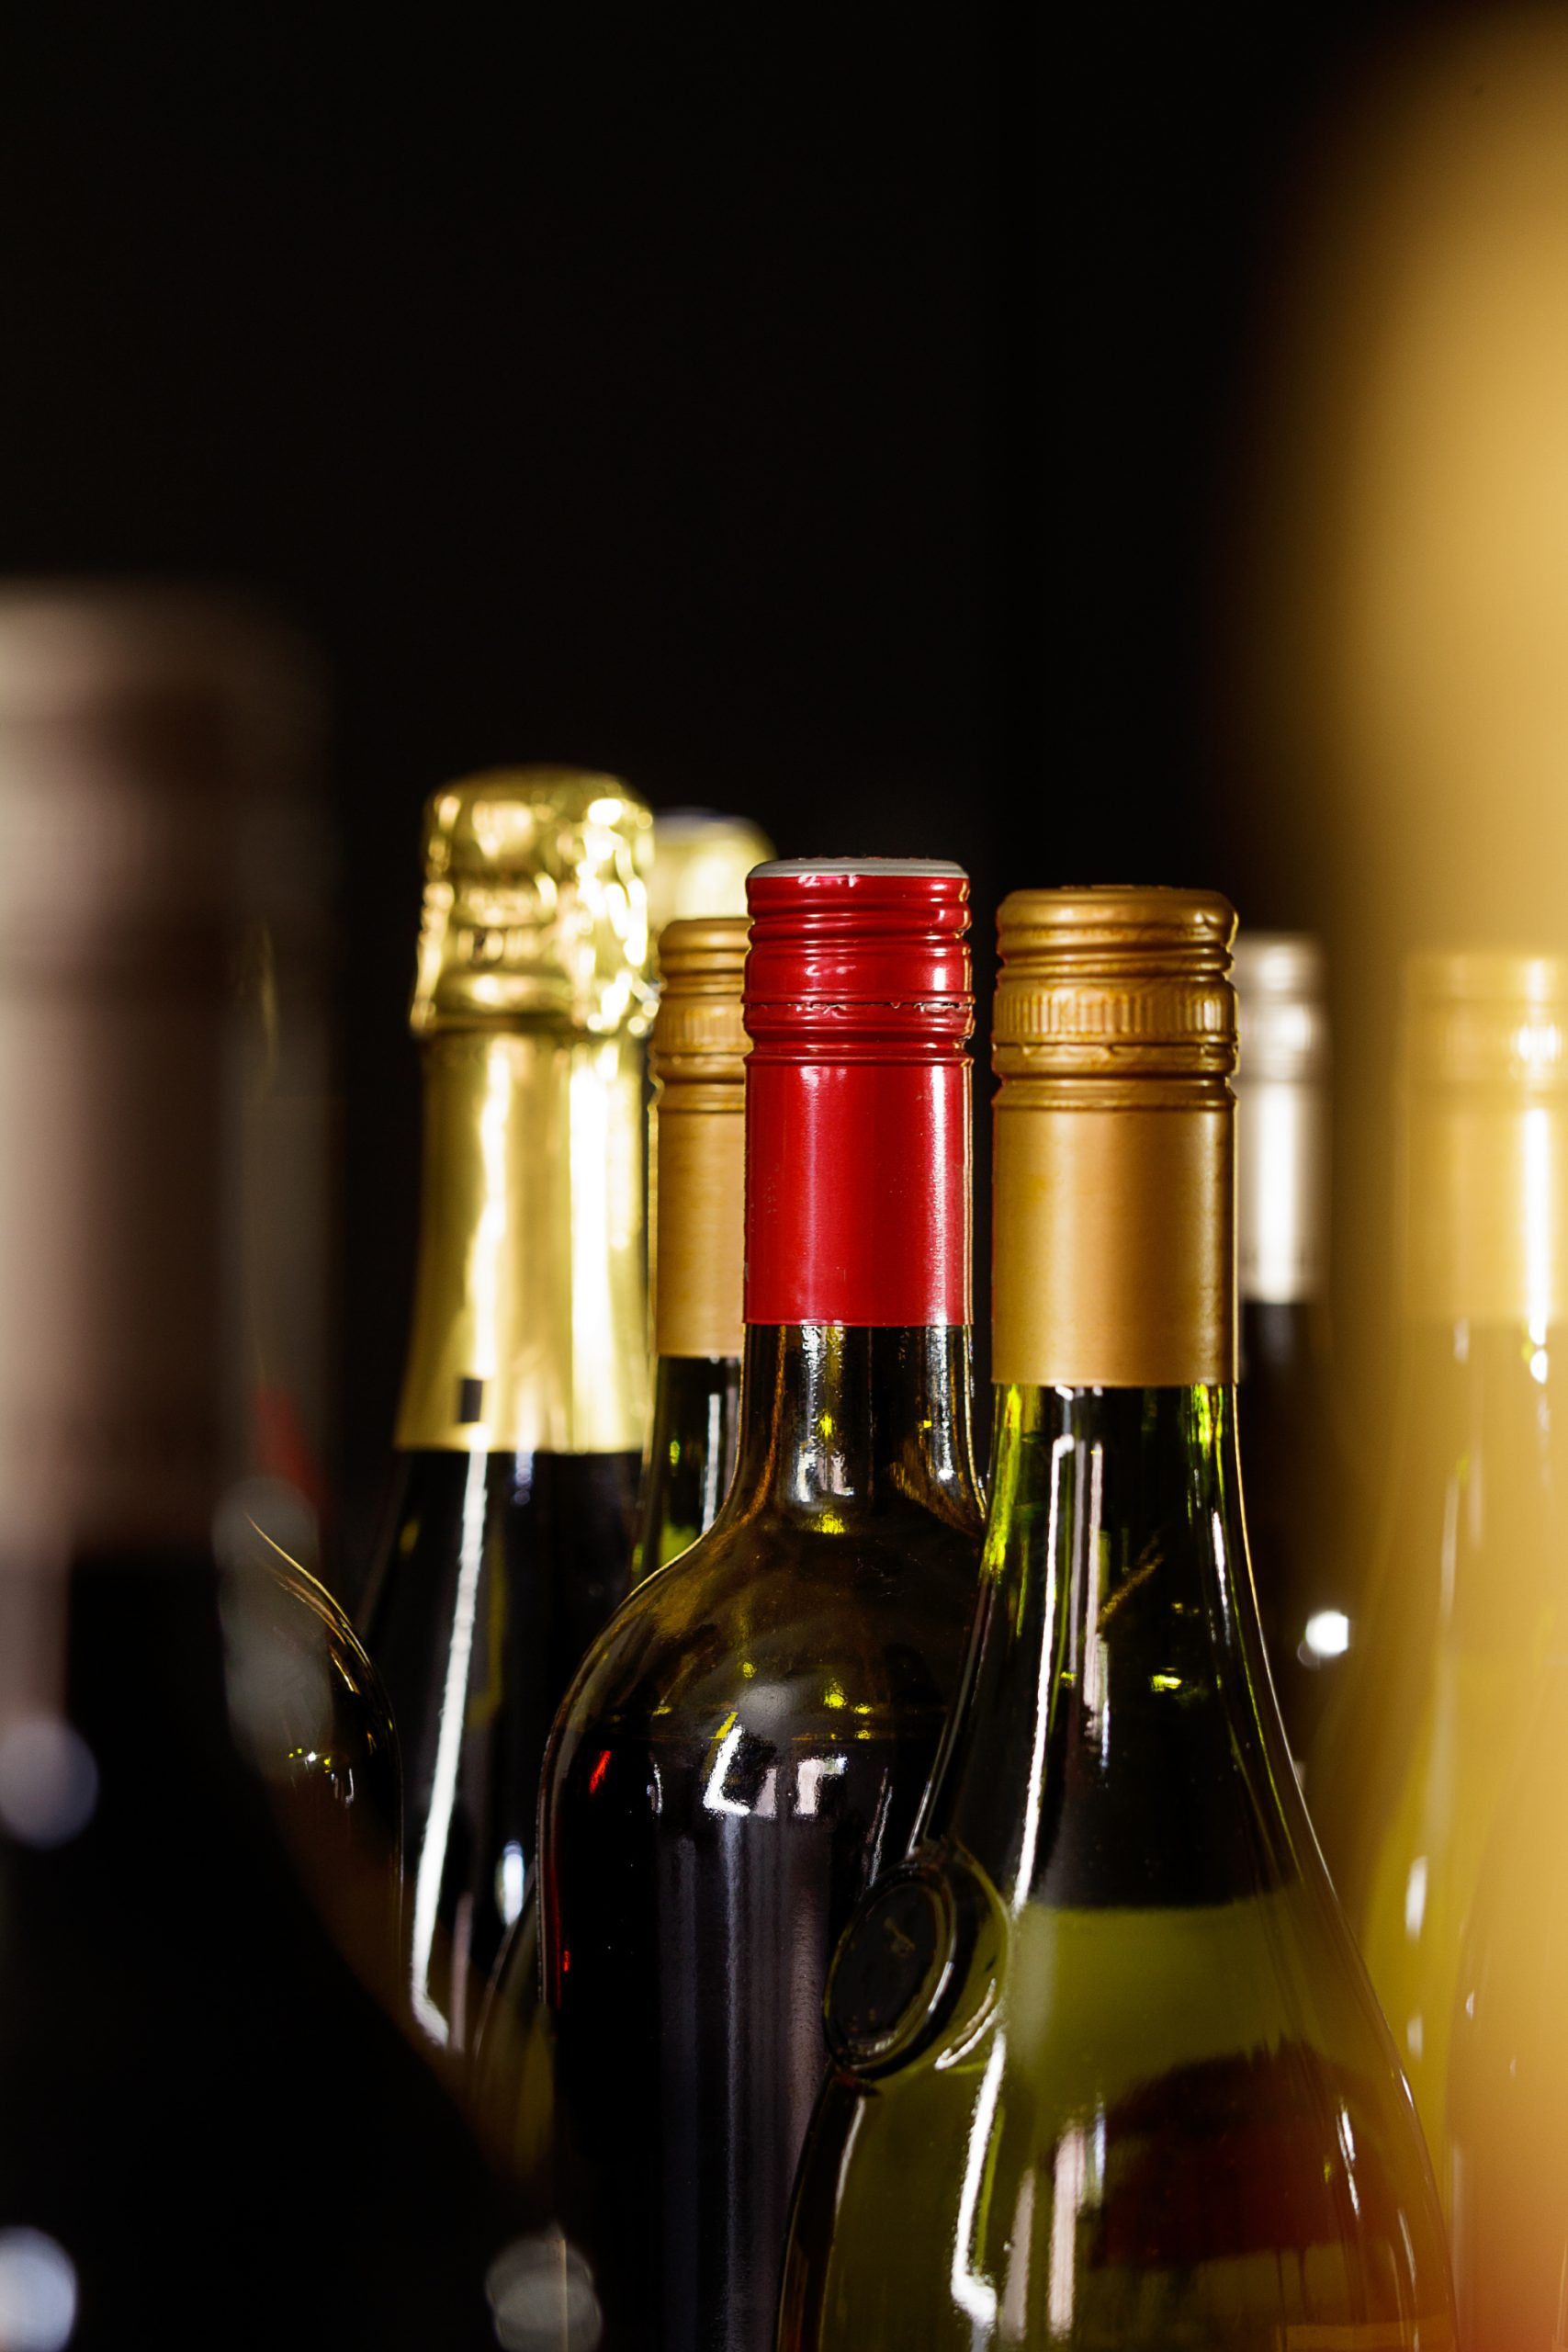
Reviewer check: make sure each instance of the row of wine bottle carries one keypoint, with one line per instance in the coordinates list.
(1095, 2021)
(782, 1717)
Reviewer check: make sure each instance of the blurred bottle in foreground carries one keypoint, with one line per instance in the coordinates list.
(1302, 1525)
(521, 1423)
(697, 1056)
(1471, 1569)
(164, 1983)
(1107, 2070)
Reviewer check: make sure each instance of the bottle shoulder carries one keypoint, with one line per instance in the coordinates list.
(874, 1616)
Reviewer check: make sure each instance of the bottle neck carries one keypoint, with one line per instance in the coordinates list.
(691, 1454)
(1281, 1193)
(529, 1331)
(842, 1423)
(698, 1192)
(1114, 1678)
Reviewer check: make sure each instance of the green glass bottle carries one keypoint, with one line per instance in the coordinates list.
(697, 1056)
(1107, 2073)
(1416, 1750)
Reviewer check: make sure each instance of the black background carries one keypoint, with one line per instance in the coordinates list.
(830, 415)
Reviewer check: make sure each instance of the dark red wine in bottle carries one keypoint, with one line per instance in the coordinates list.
(749, 1741)
(521, 1425)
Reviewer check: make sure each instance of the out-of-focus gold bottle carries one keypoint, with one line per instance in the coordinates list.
(1472, 1565)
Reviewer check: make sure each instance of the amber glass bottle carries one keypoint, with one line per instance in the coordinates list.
(521, 1419)
(1109, 2074)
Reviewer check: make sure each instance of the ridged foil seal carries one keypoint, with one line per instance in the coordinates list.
(535, 904)
(1113, 1038)
(697, 1054)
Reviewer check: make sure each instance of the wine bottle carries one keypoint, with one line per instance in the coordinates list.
(1302, 1515)
(1469, 1574)
(521, 1425)
(1107, 2073)
(1509, 2068)
(209, 2130)
(697, 1058)
(753, 1734)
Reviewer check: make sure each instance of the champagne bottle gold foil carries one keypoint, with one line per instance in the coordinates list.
(1114, 1038)
(531, 995)
(1281, 1119)
(1486, 1087)
(698, 1060)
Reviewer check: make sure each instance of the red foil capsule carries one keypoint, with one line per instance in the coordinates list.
(859, 1005)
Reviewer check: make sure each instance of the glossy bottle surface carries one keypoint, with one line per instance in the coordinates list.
(749, 1743)
(690, 1455)
(1109, 2074)
(1306, 1531)
(500, 1572)
(1415, 1758)
(1508, 2073)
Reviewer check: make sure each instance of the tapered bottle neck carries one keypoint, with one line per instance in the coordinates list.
(529, 1318)
(1116, 1673)
(692, 1438)
(841, 1423)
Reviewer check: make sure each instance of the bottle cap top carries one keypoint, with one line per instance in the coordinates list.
(535, 908)
(1114, 1036)
(1116, 980)
(698, 1033)
(859, 957)
(1278, 977)
(1479, 1017)
(701, 860)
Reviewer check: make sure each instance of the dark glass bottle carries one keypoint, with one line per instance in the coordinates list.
(697, 1056)
(209, 2132)
(1109, 2075)
(524, 1401)
(1304, 1516)
(750, 1740)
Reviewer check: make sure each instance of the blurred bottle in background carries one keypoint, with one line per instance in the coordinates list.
(701, 859)
(164, 1983)
(697, 1132)
(1471, 1570)
(522, 1421)
(1302, 1522)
